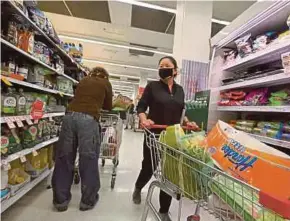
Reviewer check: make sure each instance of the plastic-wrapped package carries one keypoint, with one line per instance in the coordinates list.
(244, 45)
(257, 97)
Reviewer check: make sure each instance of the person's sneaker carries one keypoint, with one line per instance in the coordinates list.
(164, 217)
(137, 196)
(86, 207)
(61, 208)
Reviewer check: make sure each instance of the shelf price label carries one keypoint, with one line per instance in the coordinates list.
(28, 120)
(5, 165)
(6, 81)
(10, 123)
(22, 159)
(19, 122)
(34, 153)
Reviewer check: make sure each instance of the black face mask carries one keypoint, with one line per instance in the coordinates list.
(165, 73)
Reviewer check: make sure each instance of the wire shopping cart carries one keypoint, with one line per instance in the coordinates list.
(221, 195)
(111, 138)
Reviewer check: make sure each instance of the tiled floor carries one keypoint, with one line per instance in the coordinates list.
(114, 205)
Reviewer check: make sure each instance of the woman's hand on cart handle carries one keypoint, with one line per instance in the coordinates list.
(147, 123)
(192, 126)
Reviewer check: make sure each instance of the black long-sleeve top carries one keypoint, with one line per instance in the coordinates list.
(165, 108)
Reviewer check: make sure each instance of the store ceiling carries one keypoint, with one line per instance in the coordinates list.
(141, 17)
(131, 25)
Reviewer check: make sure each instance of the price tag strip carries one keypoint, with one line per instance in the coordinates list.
(19, 122)
(28, 120)
(22, 159)
(34, 153)
(10, 123)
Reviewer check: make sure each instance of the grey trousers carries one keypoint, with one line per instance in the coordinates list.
(80, 132)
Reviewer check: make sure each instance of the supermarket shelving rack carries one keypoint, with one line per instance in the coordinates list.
(69, 64)
(261, 17)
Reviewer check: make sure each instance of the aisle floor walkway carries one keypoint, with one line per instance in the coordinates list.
(114, 205)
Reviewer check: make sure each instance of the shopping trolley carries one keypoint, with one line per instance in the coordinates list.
(221, 195)
(111, 138)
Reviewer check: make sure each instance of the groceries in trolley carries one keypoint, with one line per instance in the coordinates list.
(109, 140)
(224, 171)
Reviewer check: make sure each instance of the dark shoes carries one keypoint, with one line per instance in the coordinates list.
(137, 196)
(86, 207)
(61, 208)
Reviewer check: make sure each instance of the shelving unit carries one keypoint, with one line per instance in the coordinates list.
(271, 53)
(279, 109)
(37, 87)
(25, 117)
(270, 16)
(9, 202)
(13, 47)
(277, 79)
(66, 58)
(25, 152)
(69, 64)
(275, 142)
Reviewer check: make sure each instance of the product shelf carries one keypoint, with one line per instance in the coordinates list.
(9, 202)
(25, 117)
(269, 140)
(24, 152)
(277, 79)
(271, 53)
(37, 87)
(277, 109)
(66, 58)
(8, 44)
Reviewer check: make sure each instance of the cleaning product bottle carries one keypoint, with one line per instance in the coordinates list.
(21, 103)
(9, 103)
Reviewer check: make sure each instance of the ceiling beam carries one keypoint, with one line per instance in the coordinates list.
(110, 33)
(120, 13)
(67, 8)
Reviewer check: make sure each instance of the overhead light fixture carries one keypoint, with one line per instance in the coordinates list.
(119, 65)
(147, 5)
(126, 76)
(161, 8)
(220, 21)
(113, 45)
(125, 82)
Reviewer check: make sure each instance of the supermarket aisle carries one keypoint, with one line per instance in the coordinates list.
(113, 205)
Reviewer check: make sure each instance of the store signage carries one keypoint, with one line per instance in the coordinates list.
(37, 110)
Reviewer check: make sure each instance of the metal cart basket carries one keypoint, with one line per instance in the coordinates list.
(221, 195)
(111, 138)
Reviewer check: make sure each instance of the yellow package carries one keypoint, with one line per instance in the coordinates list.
(43, 155)
(17, 176)
(50, 156)
(32, 163)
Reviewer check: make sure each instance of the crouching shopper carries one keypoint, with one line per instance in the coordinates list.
(81, 132)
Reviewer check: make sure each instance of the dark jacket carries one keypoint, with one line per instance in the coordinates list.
(91, 95)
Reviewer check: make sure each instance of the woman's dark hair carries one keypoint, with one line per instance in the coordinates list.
(172, 59)
(99, 72)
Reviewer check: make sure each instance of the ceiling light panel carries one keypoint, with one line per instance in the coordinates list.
(119, 65)
(114, 45)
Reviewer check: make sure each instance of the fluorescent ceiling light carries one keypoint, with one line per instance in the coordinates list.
(147, 5)
(113, 45)
(220, 21)
(126, 76)
(121, 86)
(125, 82)
(119, 65)
(161, 8)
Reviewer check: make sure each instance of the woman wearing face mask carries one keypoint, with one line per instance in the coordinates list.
(165, 99)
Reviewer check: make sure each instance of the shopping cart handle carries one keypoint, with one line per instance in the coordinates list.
(158, 126)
